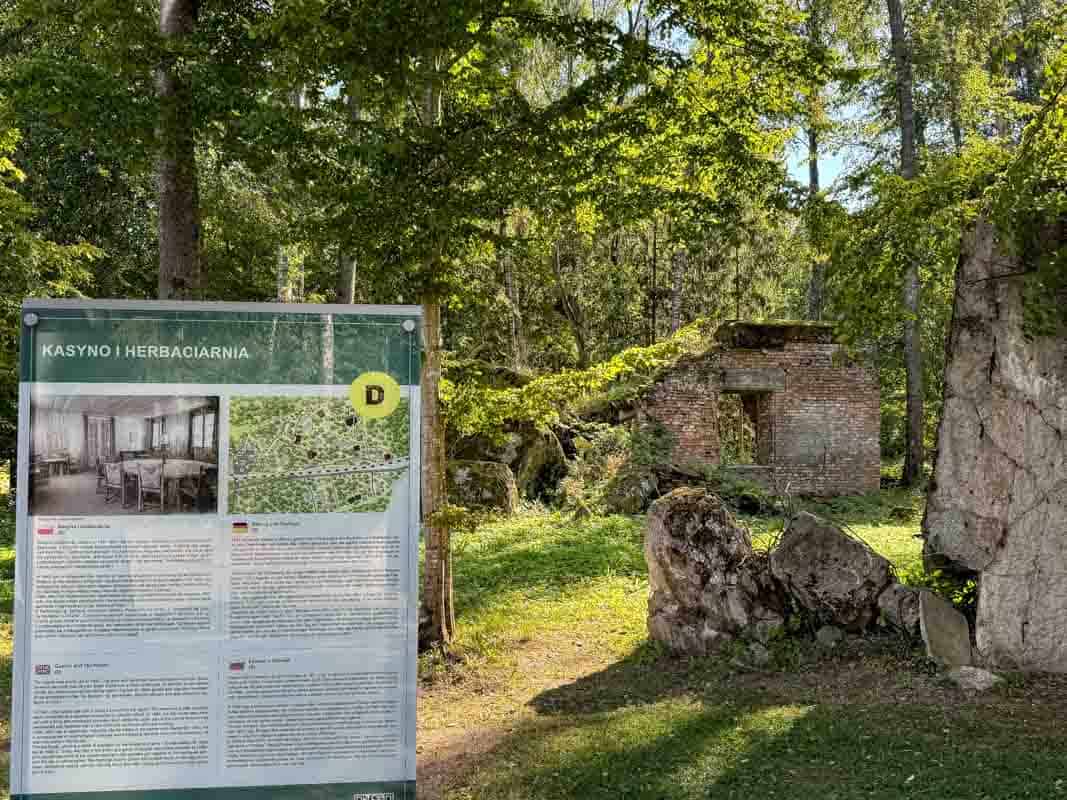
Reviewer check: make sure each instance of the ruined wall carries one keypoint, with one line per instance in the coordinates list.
(686, 402)
(819, 416)
(998, 502)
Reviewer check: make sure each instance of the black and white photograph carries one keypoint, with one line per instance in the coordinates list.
(106, 455)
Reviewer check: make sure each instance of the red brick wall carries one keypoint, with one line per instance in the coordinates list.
(822, 428)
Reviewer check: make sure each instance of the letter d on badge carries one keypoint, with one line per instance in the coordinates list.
(374, 395)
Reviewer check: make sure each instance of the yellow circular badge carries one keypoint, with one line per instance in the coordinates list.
(374, 395)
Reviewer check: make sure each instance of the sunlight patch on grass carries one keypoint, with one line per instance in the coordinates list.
(536, 575)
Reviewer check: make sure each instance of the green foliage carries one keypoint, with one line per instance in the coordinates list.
(962, 592)
(30, 266)
(1029, 200)
(478, 409)
(603, 452)
(614, 469)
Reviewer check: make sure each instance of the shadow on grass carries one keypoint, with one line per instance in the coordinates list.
(645, 676)
(612, 742)
(544, 555)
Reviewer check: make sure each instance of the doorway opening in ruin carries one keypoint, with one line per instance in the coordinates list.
(745, 429)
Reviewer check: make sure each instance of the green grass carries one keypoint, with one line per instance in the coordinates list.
(542, 573)
(713, 747)
(554, 663)
(625, 720)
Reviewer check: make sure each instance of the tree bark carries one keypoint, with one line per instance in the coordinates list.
(571, 311)
(282, 286)
(653, 288)
(678, 269)
(346, 277)
(518, 348)
(914, 456)
(178, 187)
(437, 621)
(346, 261)
(817, 281)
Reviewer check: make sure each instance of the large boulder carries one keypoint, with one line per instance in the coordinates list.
(631, 491)
(708, 586)
(482, 484)
(828, 573)
(540, 466)
(535, 457)
(997, 506)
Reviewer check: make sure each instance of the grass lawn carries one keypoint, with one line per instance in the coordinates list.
(558, 694)
(553, 690)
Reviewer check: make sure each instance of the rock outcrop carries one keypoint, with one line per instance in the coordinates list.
(708, 586)
(997, 505)
(945, 632)
(482, 484)
(828, 573)
(898, 606)
(535, 458)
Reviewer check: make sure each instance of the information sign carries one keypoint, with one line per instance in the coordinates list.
(217, 548)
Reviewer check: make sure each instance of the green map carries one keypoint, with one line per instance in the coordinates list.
(307, 455)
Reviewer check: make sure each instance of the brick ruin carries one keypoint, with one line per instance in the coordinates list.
(781, 404)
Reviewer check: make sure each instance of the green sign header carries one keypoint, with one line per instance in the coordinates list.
(120, 342)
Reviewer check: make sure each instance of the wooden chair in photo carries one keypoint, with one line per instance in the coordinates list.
(112, 481)
(101, 477)
(150, 484)
(190, 489)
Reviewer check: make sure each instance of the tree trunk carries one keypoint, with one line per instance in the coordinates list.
(346, 277)
(346, 261)
(518, 348)
(179, 194)
(914, 456)
(654, 283)
(678, 269)
(571, 311)
(282, 288)
(817, 281)
(437, 621)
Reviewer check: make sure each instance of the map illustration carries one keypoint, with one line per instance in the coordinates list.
(308, 455)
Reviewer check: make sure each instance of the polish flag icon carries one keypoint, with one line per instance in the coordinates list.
(45, 531)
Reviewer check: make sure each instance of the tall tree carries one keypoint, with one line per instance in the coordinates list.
(179, 192)
(815, 124)
(914, 456)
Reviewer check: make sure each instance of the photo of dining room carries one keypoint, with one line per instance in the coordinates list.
(105, 455)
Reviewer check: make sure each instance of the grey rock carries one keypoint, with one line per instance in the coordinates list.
(998, 503)
(536, 458)
(899, 608)
(829, 573)
(540, 465)
(758, 655)
(708, 586)
(631, 492)
(973, 679)
(482, 484)
(945, 631)
(829, 637)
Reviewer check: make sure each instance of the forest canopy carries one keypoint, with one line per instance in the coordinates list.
(570, 179)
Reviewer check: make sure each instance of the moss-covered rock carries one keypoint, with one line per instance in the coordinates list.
(536, 458)
(482, 484)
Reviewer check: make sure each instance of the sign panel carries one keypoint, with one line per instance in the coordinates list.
(217, 547)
